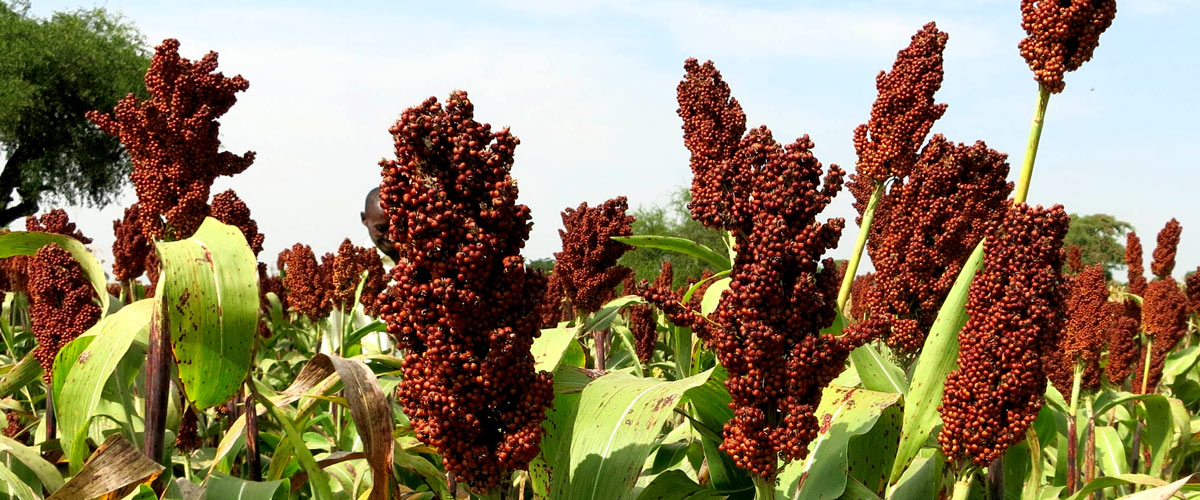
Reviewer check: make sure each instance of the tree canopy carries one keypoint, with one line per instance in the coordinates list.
(52, 72)
(1098, 237)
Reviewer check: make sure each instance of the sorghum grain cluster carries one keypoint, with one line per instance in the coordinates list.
(130, 247)
(57, 222)
(173, 139)
(1164, 319)
(1133, 262)
(587, 267)
(308, 284)
(62, 303)
(1164, 253)
(228, 208)
(1088, 319)
(1015, 311)
(1063, 34)
(346, 270)
(463, 306)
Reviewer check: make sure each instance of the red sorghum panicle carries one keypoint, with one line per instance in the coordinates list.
(1080, 343)
(13, 276)
(587, 266)
(1164, 253)
(860, 293)
(1133, 261)
(903, 113)
(346, 271)
(62, 303)
(641, 317)
(152, 268)
(1193, 291)
(308, 285)
(713, 124)
(1074, 259)
(14, 427)
(925, 228)
(554, 307)
(1124, 347)
(705, 281)
(1062, 36)
(57, 222)
(464, 307)
(781, 295)
(228, 208)
(173, 139)
(1164, 319)
(1015, 310)
(130, 247)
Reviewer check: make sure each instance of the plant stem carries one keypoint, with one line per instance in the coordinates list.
(859, 244)
(764, 488)
(158, 382)
(1072, 433)
(1031, 148)
(254, 461)
(1089, 456)
(995, 479)
(962, 487)
(1146, 364)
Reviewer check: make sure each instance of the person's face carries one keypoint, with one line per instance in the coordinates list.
(377, 226)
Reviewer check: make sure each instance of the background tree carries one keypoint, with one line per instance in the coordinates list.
(1098, 236)
(52, 71)
(672, 219)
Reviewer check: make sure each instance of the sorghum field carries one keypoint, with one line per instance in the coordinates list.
(982, 359)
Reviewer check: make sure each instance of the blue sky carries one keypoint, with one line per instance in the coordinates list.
(589, 87)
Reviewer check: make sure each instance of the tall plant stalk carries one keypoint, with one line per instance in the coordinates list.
(859, 245)
(1031, 147)
(764, 488)
(1072, 433)
(158, 382)
(962, 486)
(1089, 457)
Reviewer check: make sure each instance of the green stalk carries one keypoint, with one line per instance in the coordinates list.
(1146, 364)
(764, 488)
(1031, 148)
(859, 245)
(1089, 454)
(962, 487)
(1072, 433)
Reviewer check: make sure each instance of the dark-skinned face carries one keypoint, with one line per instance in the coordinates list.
(377, 226)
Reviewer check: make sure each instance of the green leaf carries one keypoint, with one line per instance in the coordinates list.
(209, 293)
(555, 447)
(1159, 429)
(26, 371)
(938, 357)
(602, 318)
(712, 296)
(844, 412)
(45, 471)
(13, 485)
(675, 485)
(618, 418)
(1123, 479)
(28, 243)
(876, 372)
(428, 472)
(1110, 451)
(318, 479)
(223, 487)
(870, 455)
(143, 492)
(684, 246)
(855, 490)
(84, 366)
(711, 408)
(549, 347)
(921, 478)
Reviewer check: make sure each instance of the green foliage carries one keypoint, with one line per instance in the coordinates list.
(1098, 237)
(671, 219)
(52, 72)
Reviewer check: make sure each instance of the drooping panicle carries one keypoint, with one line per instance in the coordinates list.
(587, 267)
(464, 307)
(1164, 253)
(173, 139)
(55, 221)
(1088, 322)
(713, 124)
(1193, 291)
(1164, 319)
(62, 303)
(1063, 34)
(308, 285)
(227, 207)
(1133, 262)
(130, 247)
(889, 143)
(1015, 311)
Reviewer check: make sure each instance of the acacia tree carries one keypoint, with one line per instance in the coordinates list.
(52, 72)
(1097, 236)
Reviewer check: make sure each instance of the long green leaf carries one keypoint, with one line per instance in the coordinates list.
(223, 487)
(45, 471)
(15, 486)
(1159, 428)
(618, 418)
(684, 246)
(938, 357)
(28, 243)
(843, 413)
(80, 376)
(876, 372)
(1110, 451)
(711, 408)
(21, 375)
(549, 347)
(602, 318)
(1110, 481)
(209, 292)
(870, 455)
(675, 485)
(318, 479)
